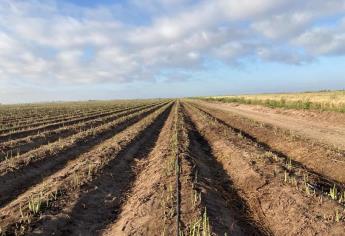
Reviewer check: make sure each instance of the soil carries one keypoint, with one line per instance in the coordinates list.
(273, 203)
(143, 213)
(184, 168)
(314, 155)
(327, 127)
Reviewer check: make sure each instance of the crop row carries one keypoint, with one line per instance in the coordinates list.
(65, 120)
(27, 207)
(266, 175)
(45, 112)
(19, 146)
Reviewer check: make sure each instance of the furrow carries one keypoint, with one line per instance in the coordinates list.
(303, 174)
(40, 129)
(208, 189)
(23, 145)
(145, 211)
(24, 124)
(18, 174)
(318, 157)
(89, 176)
(274, 202)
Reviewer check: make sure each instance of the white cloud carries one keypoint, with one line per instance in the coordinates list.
(324, 40)
(52, 41)
(283, 26)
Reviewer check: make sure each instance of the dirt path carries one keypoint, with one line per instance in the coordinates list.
(327, 127)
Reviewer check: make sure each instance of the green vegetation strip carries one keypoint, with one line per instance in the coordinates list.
(323, 101)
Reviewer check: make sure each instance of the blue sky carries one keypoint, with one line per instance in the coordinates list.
(86, 49)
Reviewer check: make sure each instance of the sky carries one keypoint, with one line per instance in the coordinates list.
(55, 50)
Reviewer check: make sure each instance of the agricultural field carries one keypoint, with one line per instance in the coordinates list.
(323, 100)
(183, 167)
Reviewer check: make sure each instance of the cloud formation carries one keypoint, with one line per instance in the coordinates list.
(58, 42)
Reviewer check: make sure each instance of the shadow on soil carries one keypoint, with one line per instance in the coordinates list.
(99, 202)
(34, 173)
(219, 194)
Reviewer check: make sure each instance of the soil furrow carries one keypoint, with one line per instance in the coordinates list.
(190, 207)
(35, 123)
(32, 173)
(99, 202)
(24, 133)
(213, 190)
(315, 180)
(61, 115)
(23, 145)
(274, 203)
(94, 169)
(58, 113)
(144, 212)
(317, 157)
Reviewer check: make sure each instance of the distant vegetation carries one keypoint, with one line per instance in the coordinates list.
(324, 100)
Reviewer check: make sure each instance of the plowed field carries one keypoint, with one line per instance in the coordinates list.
(163, 167)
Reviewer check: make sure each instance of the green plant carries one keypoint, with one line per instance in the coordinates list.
(240, 135)
(307, 189)
(75, 180)
(201, 226)
(35, 203)
(342, 197)
(333, 193)
(289, 164)
(337, 215)
(196, 197)
(206, 224)
(89, 171)
(293, 180)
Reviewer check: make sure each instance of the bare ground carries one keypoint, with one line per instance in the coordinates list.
(327, 127)
(99, 202)
(186, 168)
(314, 155)
(33, 173)
(282, 208)
(63, 184)
(144, 212)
